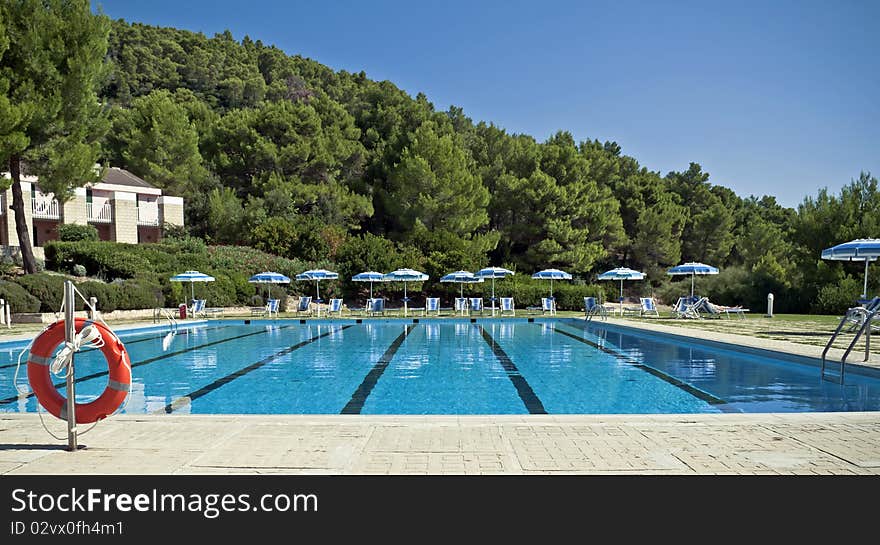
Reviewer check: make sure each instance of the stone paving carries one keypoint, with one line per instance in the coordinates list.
(805, 443)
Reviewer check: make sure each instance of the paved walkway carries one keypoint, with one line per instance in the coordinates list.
(806, 443)
(817, 443)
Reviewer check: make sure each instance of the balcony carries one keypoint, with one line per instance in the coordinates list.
(45, 208)
(99, 214)
(148, 214)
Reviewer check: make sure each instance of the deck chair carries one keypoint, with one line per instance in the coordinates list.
(271, 307)
(376, 307)
(432, 304)
(335, 306)
(648, 307)
(856, 316)
(198, 307)
(507, 306)
(680, 308)
(476, 305)
(548, 304)
(461, 305)
(304, 305)
(593, 308)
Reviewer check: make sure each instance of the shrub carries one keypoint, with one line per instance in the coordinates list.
(79, 270)
(47, 288)
(104, 259)
(836, 298)
(137, 293)
(72, 232)
(18, 298)
(106, 294)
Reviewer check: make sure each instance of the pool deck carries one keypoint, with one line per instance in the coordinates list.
(699, 444)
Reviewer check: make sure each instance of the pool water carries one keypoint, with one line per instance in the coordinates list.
(447, 366)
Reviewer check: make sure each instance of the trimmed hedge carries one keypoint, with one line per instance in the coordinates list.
(18, 298)
(72, 232)
(48, 289)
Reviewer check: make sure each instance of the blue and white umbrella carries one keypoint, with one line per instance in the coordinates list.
(493, 273)
(269, 277)
(551, 275)
(405, 275)
(860, 249)
(692, 268)
(369, 276)
(317, 275)
(622, 273)
(192, 277)
(461, 277)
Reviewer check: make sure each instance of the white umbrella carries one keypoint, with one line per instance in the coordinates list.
(192, 277)
(369, 276)
(317, 275)
(693, 269)
(405, 275)
(551, 274)
(493, 273)
(461, 277)
(621, 273)
(860, 249)
(269, 277)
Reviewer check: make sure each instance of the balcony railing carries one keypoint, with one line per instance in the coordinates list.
(148, 214)
(99, 214)
(45, 208)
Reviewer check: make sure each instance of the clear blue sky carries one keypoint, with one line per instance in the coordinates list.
(772, 97)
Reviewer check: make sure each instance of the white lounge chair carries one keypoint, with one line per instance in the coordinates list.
(507, 306)
(648, 307)
(593, 308)
(548, 304)
(335, 306)
(476, 305)
(376, 307)
(432, 304)
(461, 305)
(304, 305)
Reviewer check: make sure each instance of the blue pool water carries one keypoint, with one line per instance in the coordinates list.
(509, 366)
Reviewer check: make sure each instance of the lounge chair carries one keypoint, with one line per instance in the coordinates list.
(198, 307)
(461, 305)
(683, 308)
(548, 304)
(270, 308)
(335, 306)
(706, 308)
(432, 304)
(304, 306)
(376, 307)
(593, 308)
(648, 308)
(507, 306)
(476, 305)
(856, 316)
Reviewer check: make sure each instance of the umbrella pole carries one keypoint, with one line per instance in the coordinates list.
(493, 296)
(318, 297)
(865, 290)
(693, 275)
(621, 297)
(404, 299)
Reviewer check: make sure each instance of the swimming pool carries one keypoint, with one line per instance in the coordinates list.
(446, 366)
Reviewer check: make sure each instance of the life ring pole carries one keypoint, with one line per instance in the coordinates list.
(69, 334)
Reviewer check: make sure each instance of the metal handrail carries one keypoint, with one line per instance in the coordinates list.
(160, 311)
(864, 327)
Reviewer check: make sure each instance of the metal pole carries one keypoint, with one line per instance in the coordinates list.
(865, 290)
(69, 333)
(3, 312)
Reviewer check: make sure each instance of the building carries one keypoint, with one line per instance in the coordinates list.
(123, 207)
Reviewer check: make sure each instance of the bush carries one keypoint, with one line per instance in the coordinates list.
(138, 294)
(105, 259)
(47, 288)
(79, 270)
(72, 232)
(106, 294)
(836, 298)
(18, 298)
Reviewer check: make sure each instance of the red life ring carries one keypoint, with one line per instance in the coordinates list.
(118, 365)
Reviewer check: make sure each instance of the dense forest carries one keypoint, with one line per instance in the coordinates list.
(288, 156)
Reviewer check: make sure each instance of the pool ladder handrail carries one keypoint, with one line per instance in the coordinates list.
(866, 317)
(159, 312)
